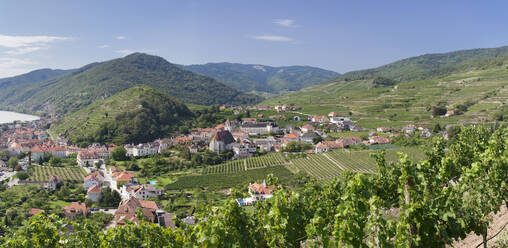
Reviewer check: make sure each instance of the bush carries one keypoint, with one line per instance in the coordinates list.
(22, 175)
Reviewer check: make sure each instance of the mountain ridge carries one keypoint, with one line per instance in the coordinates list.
(433, 65)
(72, 91)
(263, 78)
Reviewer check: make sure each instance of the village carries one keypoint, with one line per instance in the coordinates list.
(32, 144)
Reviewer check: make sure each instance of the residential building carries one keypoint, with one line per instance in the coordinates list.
(257, 128)
(74, 209)
(325, 146)
(378, 140)
(93, 179)
(127, 210)
(319, 118)
(243, 150)
(142, 150)
(143, 191)
(308, 137)
(93, 193)
(87, 159)
(307, 128)
(53, 183)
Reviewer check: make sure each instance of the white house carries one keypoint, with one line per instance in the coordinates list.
(319, 118)
(93, 179)
(53, 183)
(86, 159)
(142, 192)
(260, 191)
(259, 127)
(94, 193)
(142, 150)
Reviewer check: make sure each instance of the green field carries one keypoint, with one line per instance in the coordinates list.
(43, 173)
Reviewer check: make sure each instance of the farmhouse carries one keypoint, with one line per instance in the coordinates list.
(93, 193)
(223, 140)
(53, 183)
(307, 128)
(93, 179)
(260, 191)
(325, 146)
(74, 209)
(409, 128)
(123, 176)
(349, 141)
(290, 137)
(143, 191)
(344, 122)
(127, 210)
(308, 137)
(319, 118)
(378, 140)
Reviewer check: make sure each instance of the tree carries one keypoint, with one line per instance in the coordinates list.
(22, 175)
(119, 153)
(13, 161)
(109, 198)
(438, 110)
(317, 139)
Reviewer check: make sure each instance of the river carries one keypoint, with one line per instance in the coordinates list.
(8, 117)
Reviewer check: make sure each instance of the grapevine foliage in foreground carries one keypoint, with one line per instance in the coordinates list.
(426, 204)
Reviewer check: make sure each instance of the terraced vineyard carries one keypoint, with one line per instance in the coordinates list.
(321, 166)
(42, 173)
(318, 166)
(328, 165)
(271, 159)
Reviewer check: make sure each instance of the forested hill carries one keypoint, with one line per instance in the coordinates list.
(100, 80)
(434, 65)
(31, 77)
(139, 114)
(262, 78)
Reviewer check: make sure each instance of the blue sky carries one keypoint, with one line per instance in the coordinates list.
(336, 35)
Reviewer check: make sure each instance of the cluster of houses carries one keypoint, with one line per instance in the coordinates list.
(134, 198)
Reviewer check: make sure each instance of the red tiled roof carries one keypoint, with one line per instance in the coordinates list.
(260, 188)
(94, 190)
(77, 207)
(34, 211)
(123, 176)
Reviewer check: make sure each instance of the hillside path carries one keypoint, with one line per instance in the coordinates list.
(333, 161)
